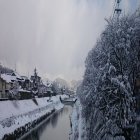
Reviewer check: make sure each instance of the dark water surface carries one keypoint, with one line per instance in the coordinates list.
(55, 128)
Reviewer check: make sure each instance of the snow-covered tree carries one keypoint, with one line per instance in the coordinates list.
(36, 82)
(60, 86)
(5, 69)
(108, 89)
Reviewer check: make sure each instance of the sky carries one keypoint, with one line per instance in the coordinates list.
(54, 36)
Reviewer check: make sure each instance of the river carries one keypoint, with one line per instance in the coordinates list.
(56, 128)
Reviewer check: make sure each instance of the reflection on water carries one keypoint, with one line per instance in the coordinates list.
(55, 128)
(54, 120)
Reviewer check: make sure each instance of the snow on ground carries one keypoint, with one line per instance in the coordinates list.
(14, 114)
(78, 123)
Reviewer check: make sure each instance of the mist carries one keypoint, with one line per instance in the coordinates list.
(54, 36)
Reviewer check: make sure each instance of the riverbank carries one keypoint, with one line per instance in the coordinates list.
(78, 127)
(55, 127)
(15, 114)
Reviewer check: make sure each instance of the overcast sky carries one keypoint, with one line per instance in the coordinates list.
(52, 35)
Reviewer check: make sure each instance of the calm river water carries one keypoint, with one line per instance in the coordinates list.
(56, 128)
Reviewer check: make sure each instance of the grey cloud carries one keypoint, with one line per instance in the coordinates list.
(52, 35)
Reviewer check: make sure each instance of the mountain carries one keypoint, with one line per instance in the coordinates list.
(75, 84)
(61, 82)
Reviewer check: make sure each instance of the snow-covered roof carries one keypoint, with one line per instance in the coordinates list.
(15, 74)
(24, 77)
(8, 78)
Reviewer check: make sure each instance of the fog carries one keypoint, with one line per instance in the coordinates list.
(54, 36)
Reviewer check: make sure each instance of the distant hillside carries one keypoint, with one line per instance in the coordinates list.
(5, 69)
(75, 84)
(62, 83)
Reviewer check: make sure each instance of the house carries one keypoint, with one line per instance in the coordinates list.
(25, 89)
(45, 90)
(27, 84)
(3, 93)
(42, 90)
(18, 78)
(25, 94)
(49, 90)
(12, 77)
(10, 82)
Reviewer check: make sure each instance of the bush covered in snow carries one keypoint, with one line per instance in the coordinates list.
(108, 88)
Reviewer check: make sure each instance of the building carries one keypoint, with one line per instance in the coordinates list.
(3, 93)
(27, 84)
(36, 82)
(17, 77)
(6, 84)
